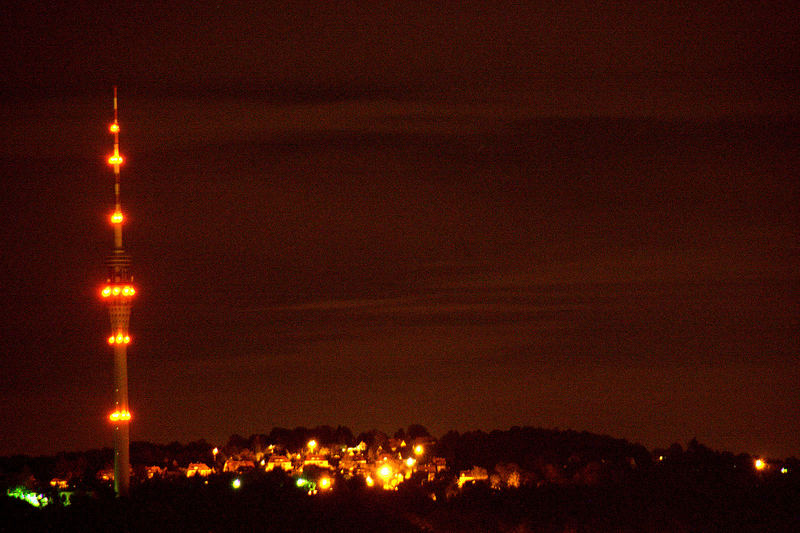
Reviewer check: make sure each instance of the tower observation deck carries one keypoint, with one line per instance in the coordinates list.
(117, 293)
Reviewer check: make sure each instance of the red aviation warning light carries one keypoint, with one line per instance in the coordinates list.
(119, 339)
(117, 218)
(114, 128)
(115, 159)
(120, 416)
(117, 290)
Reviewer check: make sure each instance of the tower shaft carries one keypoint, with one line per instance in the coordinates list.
(122, 461)
(118, 293)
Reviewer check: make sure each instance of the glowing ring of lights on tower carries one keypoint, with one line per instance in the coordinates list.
(120, 416)
(118, 290)
(120, 338)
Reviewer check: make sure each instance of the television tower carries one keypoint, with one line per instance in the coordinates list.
(118, 293)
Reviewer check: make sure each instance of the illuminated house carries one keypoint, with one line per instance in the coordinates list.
(198, 469)
(389, 474)
(106, 474)
(279, 461)
(59, 483)
(360, 448)
(471, 476)
(232, 465)
(316, 460)
(395, 444)
(429, 469)
(436, 465)
(155, 471)
(353, 463)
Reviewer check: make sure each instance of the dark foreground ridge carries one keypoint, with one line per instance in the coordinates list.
(325, 479)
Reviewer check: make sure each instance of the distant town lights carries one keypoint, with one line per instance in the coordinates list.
(760, 464)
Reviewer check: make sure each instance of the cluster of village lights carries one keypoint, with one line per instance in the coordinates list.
(761, 465)
(388, 476)
(34, 498)
(324, 483)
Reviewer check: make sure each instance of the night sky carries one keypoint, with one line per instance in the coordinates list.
(464, 216)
